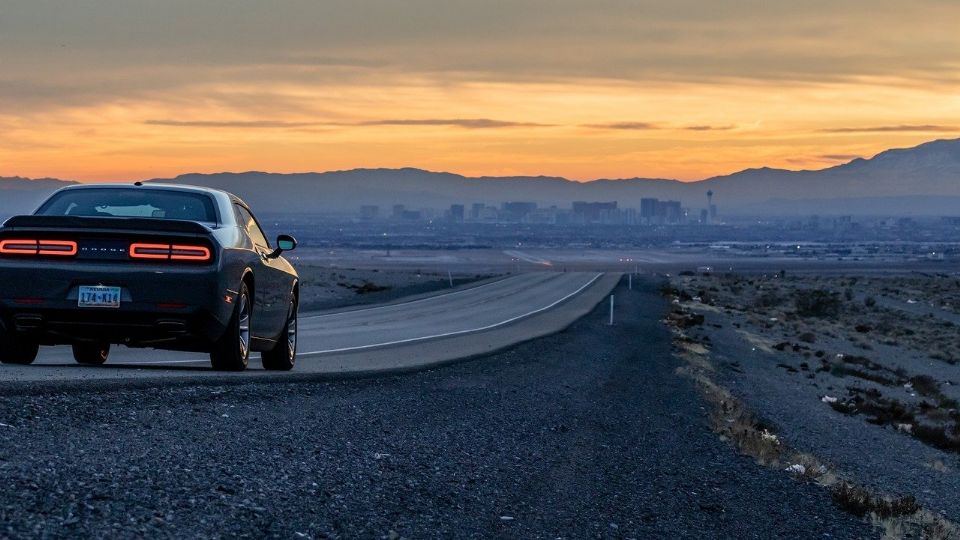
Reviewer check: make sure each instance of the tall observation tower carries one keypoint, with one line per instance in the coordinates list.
(711, 209)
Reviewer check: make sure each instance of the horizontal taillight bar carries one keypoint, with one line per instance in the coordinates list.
(32, 246)
(169, 252)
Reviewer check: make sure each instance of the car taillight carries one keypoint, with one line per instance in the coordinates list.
(150, 251)
(31, 246)
(170, 252)
(189, 253)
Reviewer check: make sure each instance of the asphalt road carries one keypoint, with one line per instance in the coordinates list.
(588, 432)
(405, 335)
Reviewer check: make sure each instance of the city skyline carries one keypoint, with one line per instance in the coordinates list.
(112, 90)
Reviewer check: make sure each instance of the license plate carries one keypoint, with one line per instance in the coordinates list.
(99, 296)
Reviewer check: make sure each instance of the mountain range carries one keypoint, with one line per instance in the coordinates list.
(922, 181)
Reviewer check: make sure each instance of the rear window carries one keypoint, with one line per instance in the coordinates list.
(133, 202)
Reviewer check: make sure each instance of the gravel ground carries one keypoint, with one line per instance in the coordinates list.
(588, 432)
(786, 388)
(879, 457)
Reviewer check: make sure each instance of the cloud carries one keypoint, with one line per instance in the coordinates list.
(639, 126)
(709, 128)
(468, 123)
(255, 124)
(822, 158)
(109, 51)
(643, 126)
(838, 157)
(922, 128)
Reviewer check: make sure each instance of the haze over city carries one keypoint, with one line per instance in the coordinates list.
(114, 90)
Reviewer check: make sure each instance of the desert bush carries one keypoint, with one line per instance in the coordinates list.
(860, 502)
(817, 303)
(768, 299)
(869, 301)
(925, 385)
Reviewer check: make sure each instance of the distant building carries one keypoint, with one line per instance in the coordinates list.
(543, 216)
(657, 212)
(951, 221)
(369, 212)
(488, 214)
(398, 210)
(516, 211)
(592, 212)
(669, 211)
(457, 213)
(648, 209)
(476, 210)
(711, 216)
(843, 223)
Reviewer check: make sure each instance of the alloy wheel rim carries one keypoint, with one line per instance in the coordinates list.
(244, 325)
(292, 333)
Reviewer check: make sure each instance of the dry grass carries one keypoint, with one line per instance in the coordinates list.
(930, 423)
(832, 306)
(786, 316)
(859, 501)
(897, 517)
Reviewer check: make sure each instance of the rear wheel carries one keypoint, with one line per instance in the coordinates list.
(93, 354)
(16, 349)
(232, 351)
(284, 354)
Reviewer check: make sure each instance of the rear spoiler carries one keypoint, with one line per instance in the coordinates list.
(105, 223)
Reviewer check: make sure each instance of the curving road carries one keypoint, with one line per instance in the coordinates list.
(402, 336)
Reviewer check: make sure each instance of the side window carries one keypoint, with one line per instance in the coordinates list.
(250, 224)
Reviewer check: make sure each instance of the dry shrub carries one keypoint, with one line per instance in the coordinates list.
(860, 502)
(817, 303)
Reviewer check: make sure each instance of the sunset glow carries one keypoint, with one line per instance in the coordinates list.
(130, 90)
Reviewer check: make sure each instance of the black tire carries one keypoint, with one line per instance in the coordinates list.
(91, 354)
(284, 354)
(17, 349)
(232, 351)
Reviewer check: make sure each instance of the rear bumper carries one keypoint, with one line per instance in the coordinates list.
(177, 308)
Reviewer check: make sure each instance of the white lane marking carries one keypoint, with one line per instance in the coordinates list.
(411, 340)
(501, 280)
(458, 332)
(348, 322)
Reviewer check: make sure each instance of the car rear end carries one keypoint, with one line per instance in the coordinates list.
(137, 281)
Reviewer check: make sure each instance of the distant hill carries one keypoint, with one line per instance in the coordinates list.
(923, 180)
(21, 195)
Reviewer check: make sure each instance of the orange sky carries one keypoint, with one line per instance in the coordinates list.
(118, 90)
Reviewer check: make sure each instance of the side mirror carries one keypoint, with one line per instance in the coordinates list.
(285, 242)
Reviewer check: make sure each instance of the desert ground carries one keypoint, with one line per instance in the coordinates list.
(841, 379)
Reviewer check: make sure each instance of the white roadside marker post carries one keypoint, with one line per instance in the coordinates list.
(630, 282)
(450, 277)
(611, 310)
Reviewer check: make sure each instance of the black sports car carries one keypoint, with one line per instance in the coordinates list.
(168, 267)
